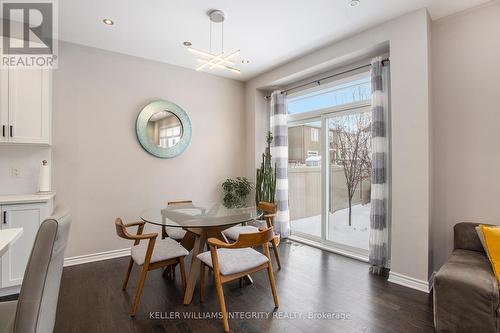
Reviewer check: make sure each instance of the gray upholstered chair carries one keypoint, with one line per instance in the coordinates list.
(35, 310)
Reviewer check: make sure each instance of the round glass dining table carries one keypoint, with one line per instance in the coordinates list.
(199, 215)
(201, 221)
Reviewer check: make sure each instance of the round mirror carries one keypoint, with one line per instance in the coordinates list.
(163, 129)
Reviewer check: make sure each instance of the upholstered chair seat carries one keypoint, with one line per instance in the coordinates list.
(176, 233)
(232, 261)
(234, 232)
(164, 249)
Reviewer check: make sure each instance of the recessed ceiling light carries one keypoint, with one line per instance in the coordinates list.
(187, 43)
(354, 3)
(108, 21)
(245, 61)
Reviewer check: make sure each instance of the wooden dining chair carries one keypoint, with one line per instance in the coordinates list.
(269, 210)
(177, 234)
(234, 261)
(152, 255)
(174, 233)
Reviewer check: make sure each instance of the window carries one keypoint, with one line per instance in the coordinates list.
(314, 135)
(350, 92)
(169, 136)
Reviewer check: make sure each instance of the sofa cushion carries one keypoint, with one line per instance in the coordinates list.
(466, 294)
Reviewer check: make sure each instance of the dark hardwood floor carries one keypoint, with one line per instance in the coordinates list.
(311, 281)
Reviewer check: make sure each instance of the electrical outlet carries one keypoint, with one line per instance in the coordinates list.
(15, 172)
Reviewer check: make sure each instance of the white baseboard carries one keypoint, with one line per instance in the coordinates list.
(86, 258)
(409, 282)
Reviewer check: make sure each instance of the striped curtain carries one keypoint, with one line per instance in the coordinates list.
(378, 243)
(279, 152)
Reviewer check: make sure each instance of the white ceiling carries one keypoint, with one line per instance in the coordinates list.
(268, 33)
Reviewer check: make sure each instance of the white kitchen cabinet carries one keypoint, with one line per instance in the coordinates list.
(26, 103)
(20, 215)
(4, 105)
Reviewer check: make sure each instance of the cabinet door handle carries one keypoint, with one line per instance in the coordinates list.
(5, 217)
(3, 131)
(11, 130)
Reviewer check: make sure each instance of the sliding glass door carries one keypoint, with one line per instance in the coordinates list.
(329, 138)
(347, 178)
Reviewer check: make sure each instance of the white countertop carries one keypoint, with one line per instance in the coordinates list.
(26, 198)
(7, 237)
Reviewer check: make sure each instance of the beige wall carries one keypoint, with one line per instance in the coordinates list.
(408, 37)
(102, 172)
(466, 118)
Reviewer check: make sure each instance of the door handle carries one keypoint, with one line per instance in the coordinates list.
(5, 217)
(3, 131)
(11, 130)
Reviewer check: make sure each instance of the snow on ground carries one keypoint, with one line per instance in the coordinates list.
(339, 230)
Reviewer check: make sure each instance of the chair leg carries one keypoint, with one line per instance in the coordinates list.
(273, 284)
(163, 232)
(222, 303)
(202, 282)
(170, 274)
(140, 285)
(183, 273)
(276, 254)
(166, 272)
(127, 275)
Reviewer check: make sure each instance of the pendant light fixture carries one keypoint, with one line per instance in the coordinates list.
(210, 60)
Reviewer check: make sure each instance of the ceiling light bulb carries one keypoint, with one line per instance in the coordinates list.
(354, 3)
(187, 43)
(108, 21)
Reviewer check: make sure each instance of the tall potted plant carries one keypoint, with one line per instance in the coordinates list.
(265, 184)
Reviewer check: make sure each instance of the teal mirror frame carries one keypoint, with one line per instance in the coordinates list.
(142, 123)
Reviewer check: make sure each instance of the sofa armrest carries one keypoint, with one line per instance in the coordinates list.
(466, 238)
(466, 296)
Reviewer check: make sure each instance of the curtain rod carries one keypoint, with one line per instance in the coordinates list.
(318, 81)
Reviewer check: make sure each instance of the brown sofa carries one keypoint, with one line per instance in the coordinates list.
(466, 297)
